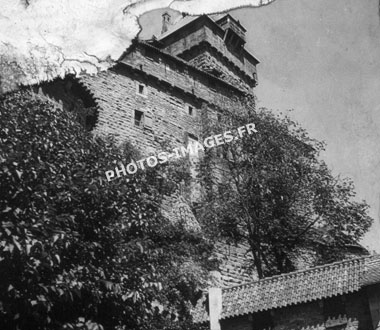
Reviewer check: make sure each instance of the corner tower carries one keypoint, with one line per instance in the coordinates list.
(215, 45)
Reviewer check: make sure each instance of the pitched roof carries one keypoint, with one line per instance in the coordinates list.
(181, 21)
(176, 25)
(299, 287)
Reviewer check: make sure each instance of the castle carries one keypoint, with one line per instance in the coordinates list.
(158, 91)
(159, 88)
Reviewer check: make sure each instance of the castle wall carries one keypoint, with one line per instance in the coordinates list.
(210, 61)
(169, 91)
(205, 34)
(117, 95)
(168, 95)
(177, 74)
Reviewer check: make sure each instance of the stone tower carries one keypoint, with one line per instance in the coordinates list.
(159, 87)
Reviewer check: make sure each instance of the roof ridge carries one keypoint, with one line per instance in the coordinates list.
(333, 264)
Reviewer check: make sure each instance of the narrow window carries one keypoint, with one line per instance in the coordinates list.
(190, 110)
(141, 89)
(139, 118)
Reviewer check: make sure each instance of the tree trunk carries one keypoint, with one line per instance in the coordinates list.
(257, 260)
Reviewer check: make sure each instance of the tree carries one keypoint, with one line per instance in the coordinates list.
(78, 252)
(276, 194)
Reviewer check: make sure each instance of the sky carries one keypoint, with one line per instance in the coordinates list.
(43, 39)
(321, 58)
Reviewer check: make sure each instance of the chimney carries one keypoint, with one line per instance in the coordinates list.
(165, 22)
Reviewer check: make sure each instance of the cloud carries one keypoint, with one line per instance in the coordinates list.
(43, 39)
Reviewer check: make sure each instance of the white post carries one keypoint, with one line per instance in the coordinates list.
(215, 307)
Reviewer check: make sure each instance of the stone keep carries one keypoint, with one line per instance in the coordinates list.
(159, 88)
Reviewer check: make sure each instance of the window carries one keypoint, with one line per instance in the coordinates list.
(139, 118)
(141, 89)
(190, 110)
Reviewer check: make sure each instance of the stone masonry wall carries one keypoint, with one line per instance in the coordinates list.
(169, 88)
(169, 91)
(205, 34)
(209, 62)
(117, 96)
(175, 73)
(165, 103)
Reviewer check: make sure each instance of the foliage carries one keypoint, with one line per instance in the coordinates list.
(277, 195)
(77, 252)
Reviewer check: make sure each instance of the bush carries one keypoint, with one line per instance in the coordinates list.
(77, 252)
